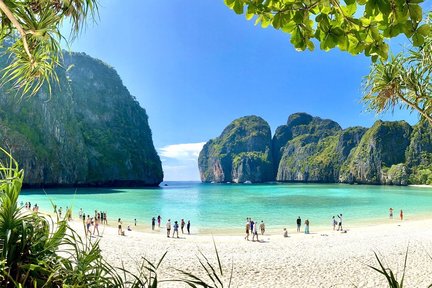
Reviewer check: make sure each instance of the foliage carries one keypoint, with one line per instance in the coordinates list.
(214, 273)
(356, 26)
(405, 80)
(388, 273)
(32, 30)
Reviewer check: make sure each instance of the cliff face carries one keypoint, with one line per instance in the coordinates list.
(311, 149)
(381, 147)
(90, 131)
(305, 156)
(241, 153)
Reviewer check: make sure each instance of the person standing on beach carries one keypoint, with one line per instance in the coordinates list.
(182, 224)
(340, 222)
(176, 226)
(262, 227)
(334, 222)
(188, 227)
(88, 223)
(120, 232)
(298, 224)
(306, 226)
(391, 213)
(96, 226)
(247, 229)
(254, 232)
(159, 220)
(168, 227)
(153, 223)
(401, 215)
(135, 221)
(80, 213)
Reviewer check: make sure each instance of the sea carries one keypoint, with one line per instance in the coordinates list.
(223, 208)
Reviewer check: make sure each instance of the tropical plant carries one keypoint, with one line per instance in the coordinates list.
(388, 273)
(36, 253)
(356, 26)
(214, 273)
(405, 80)
(33, 34)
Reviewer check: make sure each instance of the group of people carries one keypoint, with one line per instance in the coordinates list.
(337, 222)
(175, 227)
(401, 214)
(93, 222)
(28, 206)
(252, 227)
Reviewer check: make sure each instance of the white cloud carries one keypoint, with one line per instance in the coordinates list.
(180, 161)
(188, 151)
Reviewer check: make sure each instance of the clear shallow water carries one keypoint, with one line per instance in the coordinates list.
(226, 206)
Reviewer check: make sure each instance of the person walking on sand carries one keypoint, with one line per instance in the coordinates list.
(306, 231)
(153, 223)
(401, 215)
(159, 220)
(182, 224)
(188, 227)
(255, 232)
(168, 227)
(262, 227)
(176, 226)
(298, 224)
(340, 222)
(391, 213)
(334, 222)
(247, 229)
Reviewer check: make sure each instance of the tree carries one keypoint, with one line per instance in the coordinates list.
(405, 81)
(30, 31)
(356, 26)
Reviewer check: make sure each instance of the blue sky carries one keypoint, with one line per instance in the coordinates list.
(195, 66)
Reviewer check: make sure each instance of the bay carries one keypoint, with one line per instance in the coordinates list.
(223, 208)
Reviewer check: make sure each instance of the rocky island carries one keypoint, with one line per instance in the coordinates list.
(89, 132)
(311, 149)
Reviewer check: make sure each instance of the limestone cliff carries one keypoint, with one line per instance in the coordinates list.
(90, 131)
(241, 153)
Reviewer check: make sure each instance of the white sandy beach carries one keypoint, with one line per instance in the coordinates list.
(314, 260)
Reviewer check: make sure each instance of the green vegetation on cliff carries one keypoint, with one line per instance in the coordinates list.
(241, 153)
(90, 131)
(311, 149)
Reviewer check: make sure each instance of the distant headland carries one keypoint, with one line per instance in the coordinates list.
(311, 149)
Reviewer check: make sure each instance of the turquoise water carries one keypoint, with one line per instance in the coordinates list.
(222, 207)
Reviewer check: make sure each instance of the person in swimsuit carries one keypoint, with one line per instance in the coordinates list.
(153, 223)
(182, 224)
(168, 227)
(391, 213)
(401, 215)
(88, 223)
(96, 226)
(262, 227)
(247, 229)
(159, 220)
(188, 227)
(120, 232)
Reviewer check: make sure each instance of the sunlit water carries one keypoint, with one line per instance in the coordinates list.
(223, 208)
